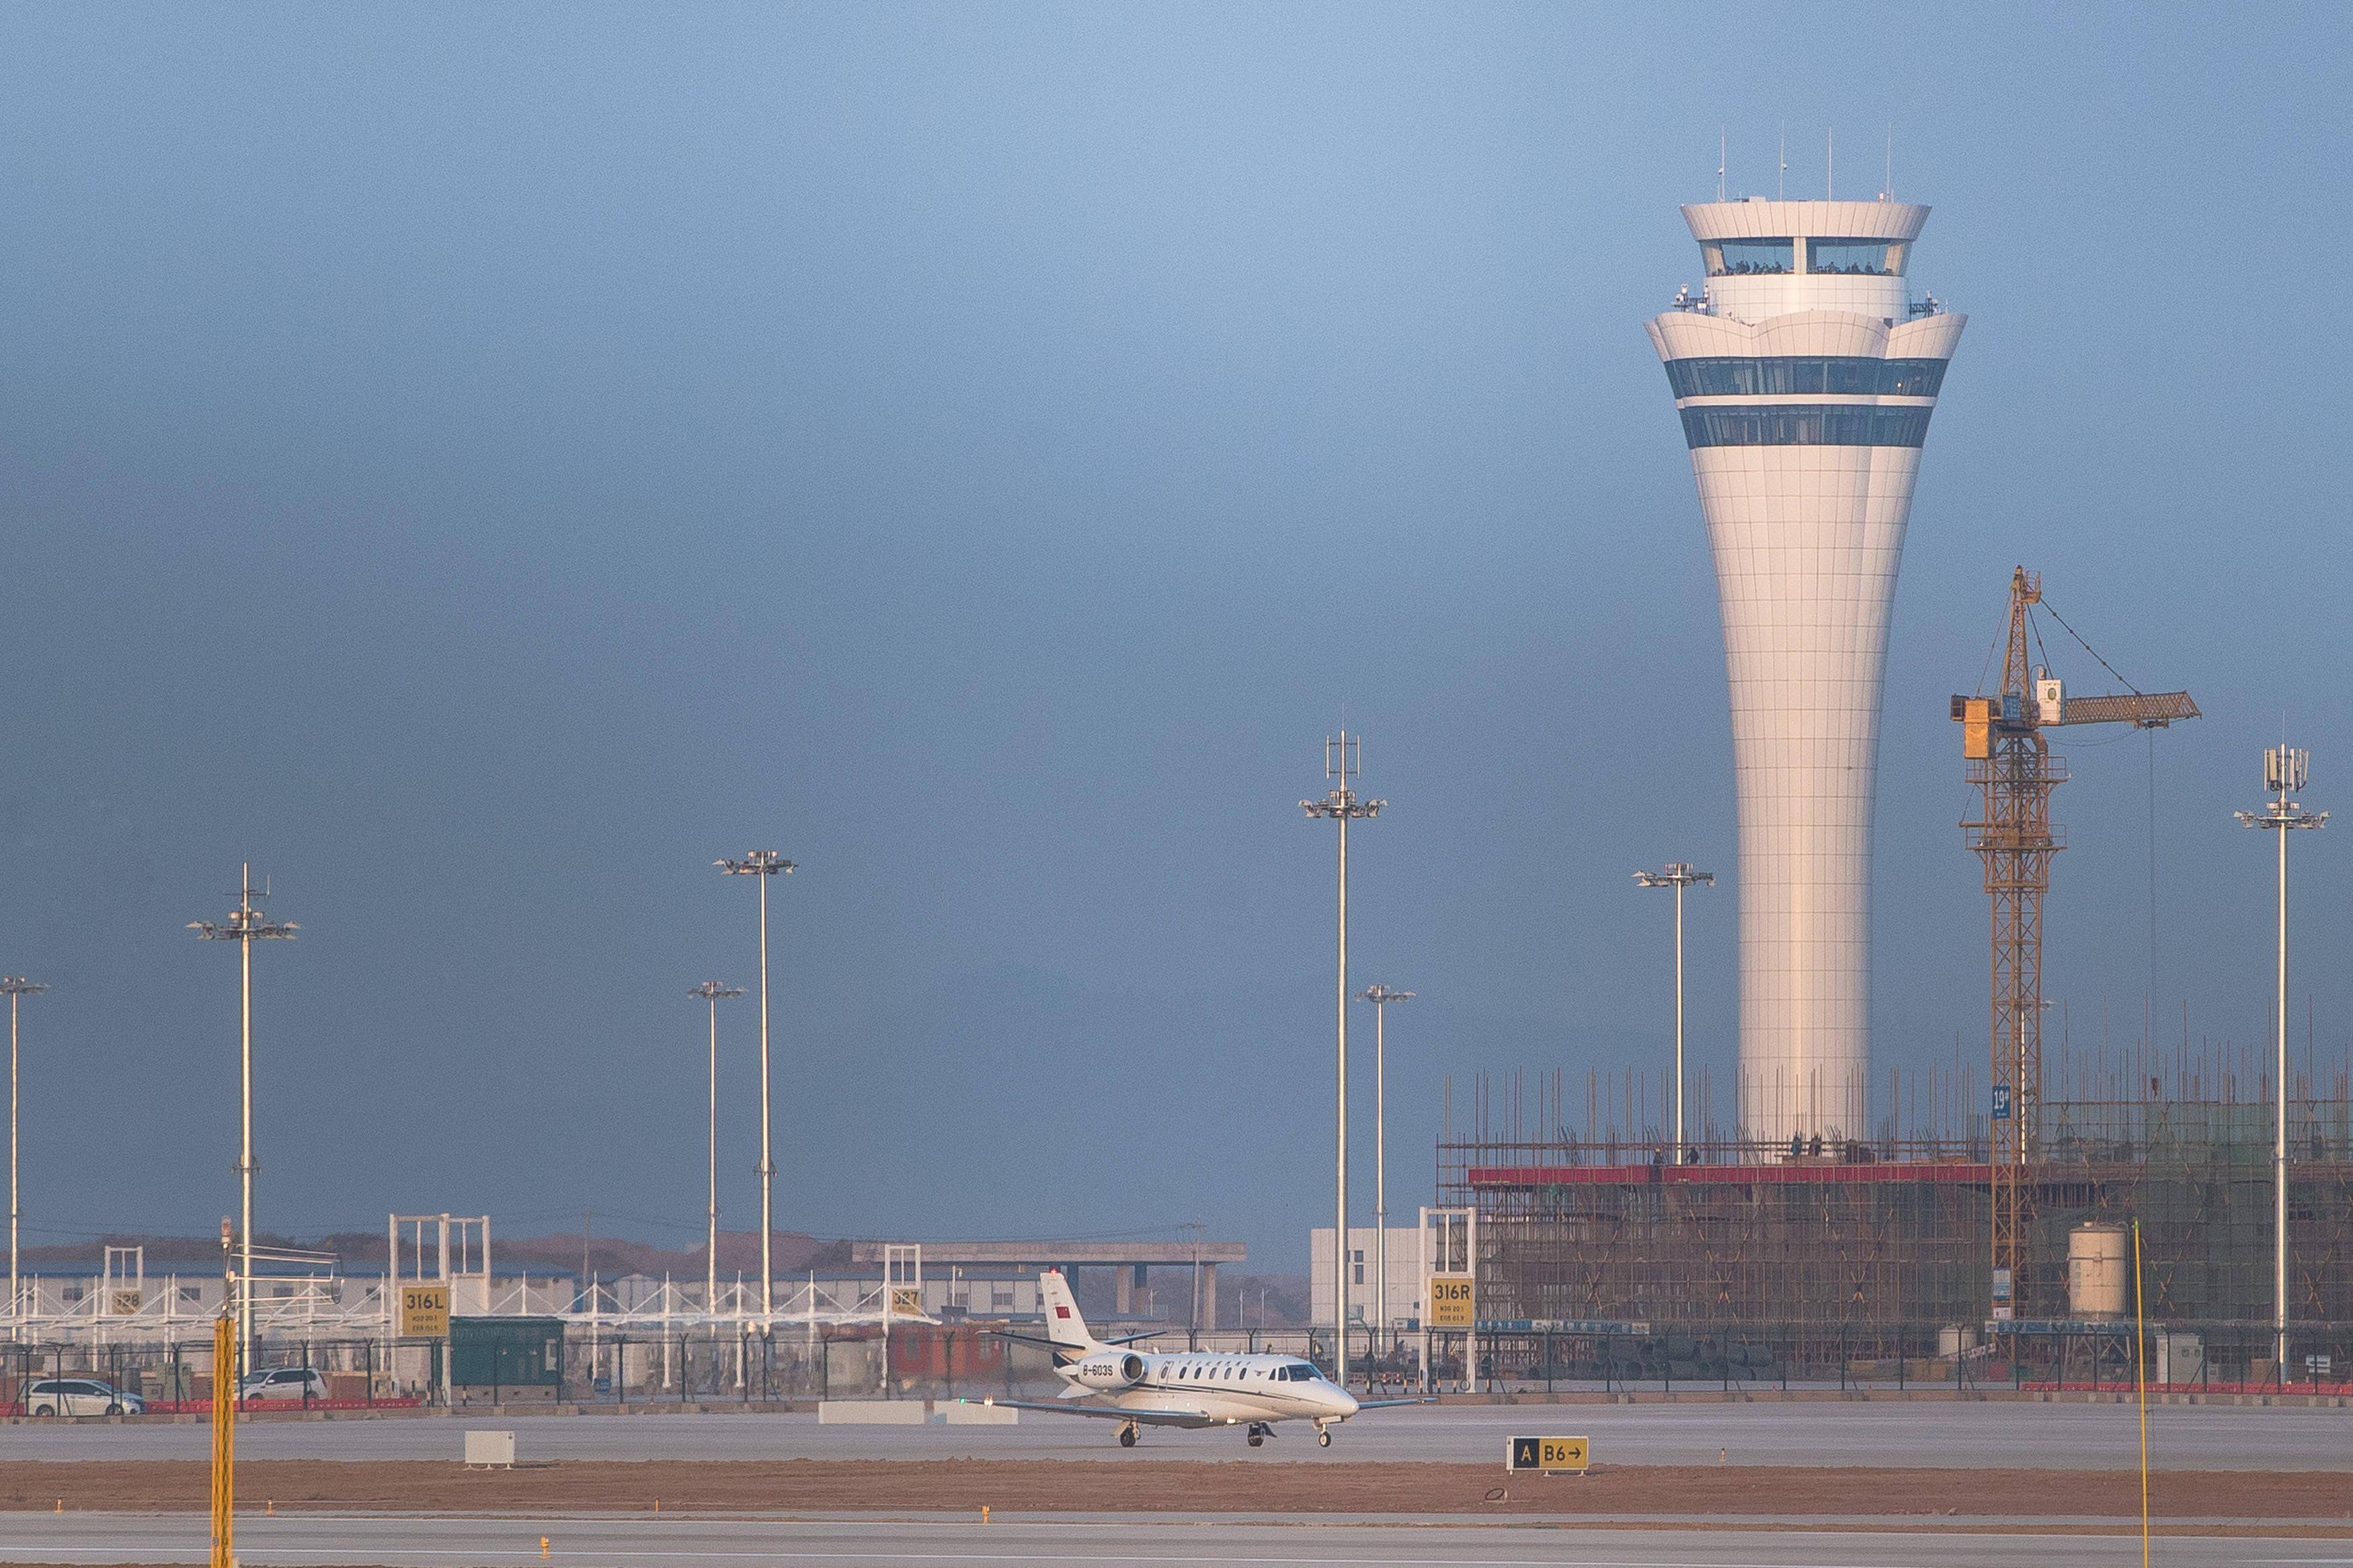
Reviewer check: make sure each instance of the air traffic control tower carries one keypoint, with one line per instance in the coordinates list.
(1805, 374)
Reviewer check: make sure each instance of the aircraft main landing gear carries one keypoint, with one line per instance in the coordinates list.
(1128, 1436)
(1258, 1433)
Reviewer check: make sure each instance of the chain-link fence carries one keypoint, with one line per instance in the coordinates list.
(521, 1362)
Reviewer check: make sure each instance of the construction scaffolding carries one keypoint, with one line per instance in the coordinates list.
(1879, 1243)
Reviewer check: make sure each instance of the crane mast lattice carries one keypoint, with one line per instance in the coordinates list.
(2011, 763)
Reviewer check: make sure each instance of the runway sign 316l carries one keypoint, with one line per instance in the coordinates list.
(1547, 1454)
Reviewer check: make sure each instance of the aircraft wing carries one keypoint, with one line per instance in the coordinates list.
(1110, 1411)
(1389, 1403)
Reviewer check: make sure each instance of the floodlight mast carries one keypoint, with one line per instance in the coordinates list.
(15, 987)
(1341, 805)
(764, 864)
(714, 992)
(1678, 876)
(1380, 996)
(245, 925)
(2284, 771)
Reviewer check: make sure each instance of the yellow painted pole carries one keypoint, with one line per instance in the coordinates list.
(224, 1439)
(2140, 1384)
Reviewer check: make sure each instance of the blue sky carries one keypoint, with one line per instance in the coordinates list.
(483, 463)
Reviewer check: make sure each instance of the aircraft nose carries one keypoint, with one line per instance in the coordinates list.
(1345, 1402)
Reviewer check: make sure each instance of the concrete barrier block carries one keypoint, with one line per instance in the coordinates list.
(979, 1415)
(490, 1449)
(870, 1413)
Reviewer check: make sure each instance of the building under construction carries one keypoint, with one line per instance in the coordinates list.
(1883, 1245)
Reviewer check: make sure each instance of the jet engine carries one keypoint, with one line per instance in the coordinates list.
(1112, 1370)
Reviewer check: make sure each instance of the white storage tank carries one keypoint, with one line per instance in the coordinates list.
(2099, 1270)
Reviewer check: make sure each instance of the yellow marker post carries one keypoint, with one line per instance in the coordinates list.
(2140, 1384)
(223, 1440)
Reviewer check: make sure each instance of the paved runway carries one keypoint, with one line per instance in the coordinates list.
(406, 1541)
(2084, 1437)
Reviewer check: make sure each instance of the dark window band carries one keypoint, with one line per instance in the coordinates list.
(1806, 424)
(1791, 377)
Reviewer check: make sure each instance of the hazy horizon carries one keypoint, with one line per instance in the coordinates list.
(481, 465)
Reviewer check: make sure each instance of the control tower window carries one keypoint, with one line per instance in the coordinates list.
(1739, 257)
(1867, 257)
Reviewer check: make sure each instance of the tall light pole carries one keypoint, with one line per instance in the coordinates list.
(2283, 774)
(16, 987)
(1677, 876)
(1340, 804)
(712, 992)
(764, 864)
(245, 926)
(1380, 996)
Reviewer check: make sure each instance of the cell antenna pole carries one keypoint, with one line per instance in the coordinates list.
(16, 988)
(713, 993)
(245, 925)
(2285, 772)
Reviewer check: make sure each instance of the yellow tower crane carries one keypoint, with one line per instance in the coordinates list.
(2013, 766)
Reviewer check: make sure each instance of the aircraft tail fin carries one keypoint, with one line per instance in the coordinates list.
(1064, 1326)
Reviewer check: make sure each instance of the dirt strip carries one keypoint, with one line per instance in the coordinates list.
(1112, 1486)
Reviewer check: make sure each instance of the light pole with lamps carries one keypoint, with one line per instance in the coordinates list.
(1380, 996)
(712, 992)
(2283, 774)
(16, 987)
(764, 864)
(245, 925)
(1341, 805)
(1678, 876)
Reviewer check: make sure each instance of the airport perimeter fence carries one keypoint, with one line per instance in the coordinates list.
(544, 1360)
(2218, 1359)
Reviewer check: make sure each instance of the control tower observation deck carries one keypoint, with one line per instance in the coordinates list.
(1805, 374)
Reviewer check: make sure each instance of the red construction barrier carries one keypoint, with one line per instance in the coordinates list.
(268, 1406)
(2124, 1385)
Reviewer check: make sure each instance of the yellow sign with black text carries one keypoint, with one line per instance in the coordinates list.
(1548, 1454)
(1452, 1301)
(906, 1300)
(424, 1312)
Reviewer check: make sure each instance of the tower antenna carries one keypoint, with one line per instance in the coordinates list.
(1887, 192)
(1781, 189)
(1723, 140)
(1830, 165)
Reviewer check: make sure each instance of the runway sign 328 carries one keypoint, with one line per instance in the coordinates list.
(1547, 1454)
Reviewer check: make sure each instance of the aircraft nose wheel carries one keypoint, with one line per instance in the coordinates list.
(1323, 1436)
(1127, 1437)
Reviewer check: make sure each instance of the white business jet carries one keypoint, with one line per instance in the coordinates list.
(1186, 1388)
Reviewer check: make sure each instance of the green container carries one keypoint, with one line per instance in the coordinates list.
(511, 1353)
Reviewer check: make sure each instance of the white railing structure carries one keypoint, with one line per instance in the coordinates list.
(176, 1309)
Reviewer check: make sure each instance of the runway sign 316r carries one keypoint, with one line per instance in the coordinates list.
(1550, 1455)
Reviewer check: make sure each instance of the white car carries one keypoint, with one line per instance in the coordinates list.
(79, 1396)
(282, 1383)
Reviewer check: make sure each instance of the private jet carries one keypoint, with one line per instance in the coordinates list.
(1139, 1388)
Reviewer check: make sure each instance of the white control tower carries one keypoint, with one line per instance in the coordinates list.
(1805, 375)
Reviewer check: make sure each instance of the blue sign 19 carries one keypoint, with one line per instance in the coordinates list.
(2001, 1102)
